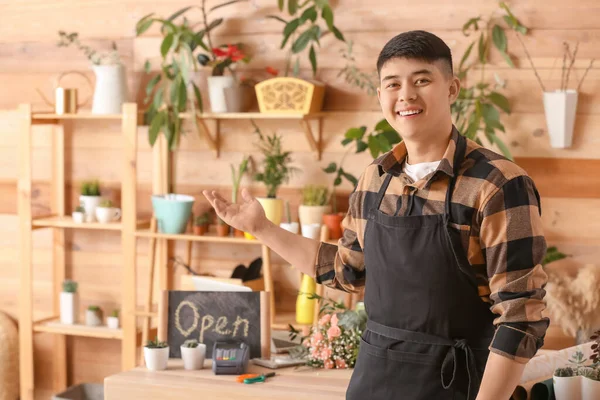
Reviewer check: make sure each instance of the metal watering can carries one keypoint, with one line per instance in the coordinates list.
(65, 99)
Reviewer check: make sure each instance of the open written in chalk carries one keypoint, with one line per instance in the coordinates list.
(215, 316)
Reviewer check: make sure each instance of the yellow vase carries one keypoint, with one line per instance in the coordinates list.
(305, 307)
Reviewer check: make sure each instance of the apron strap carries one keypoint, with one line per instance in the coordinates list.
(382, 189)
(451, 356)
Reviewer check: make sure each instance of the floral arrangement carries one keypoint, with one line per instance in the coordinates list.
(335, 340)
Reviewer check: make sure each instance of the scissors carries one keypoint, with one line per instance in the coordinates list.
(254, 378)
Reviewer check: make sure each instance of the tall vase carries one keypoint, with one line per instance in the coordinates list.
(216, 92)
(560, 108)
(305, 307)
(111, 89)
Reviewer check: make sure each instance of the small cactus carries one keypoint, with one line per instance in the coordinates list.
(106, 203)
(115, 314)
(69, 286)
(191, 343)
(156, 344)
(93, 308)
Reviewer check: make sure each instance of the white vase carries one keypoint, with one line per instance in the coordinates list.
(112, 322)
(193, 358)
(89, 203)
(107, 214)
(560, 108)
(69, 308)
(93, 318)
(78, 217)
(156, 359)
(590, 389)
(312, 214)
(110, 91)
(216, 93)
(311, 231)
(293, 227)
(567, 388)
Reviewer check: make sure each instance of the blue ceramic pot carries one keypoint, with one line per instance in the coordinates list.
(172, 212)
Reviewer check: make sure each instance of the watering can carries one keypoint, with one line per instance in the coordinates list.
(65, 99)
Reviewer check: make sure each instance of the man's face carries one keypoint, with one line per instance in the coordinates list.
(415, 97)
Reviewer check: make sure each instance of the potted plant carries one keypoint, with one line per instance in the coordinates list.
(567, 384)
(302, 34)
(193, 354)
(172, 212)
(201, 224)
(113, 320)
(274, 173)
(69, 303)
(236, 177)
(222, 228)
(78, 215)
(156, 355)
(106, 212)
(90, 198)
(289, 225)
(110, 91)
(334, 219)
(314, 204)
(591, 376)
(93, 316)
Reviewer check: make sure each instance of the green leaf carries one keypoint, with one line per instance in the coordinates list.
(510, 21)
(178, 13)
(174, 95)
(466, 55)
(361, 146)
(331, 168)
(350, 178)
(469, 23)
(292, 6)
(152, 83)
(374, 147)
(499, 38)
(182, 97)
(392, 137)
(155, 126)
(288, 30)
(198, 96)
(522, 29)
(489, 113)
(327, 15)
(313, 59)
(224, 4)
(296, 69)
(355, 133)
(147, 66)
(302, 41)
(280, 5)
(199, 40)
(500, 101)
(144, 24)
(158, 98)
(495, 125)
(347, 141)
(309, 14)
(383, 125)
(509, 61)
(338, 34)
(384, 145)
(316, 33)
(214, 24)
(482, 55)
(337, 181)
(278, 18)
(503, 147)
(166, 45)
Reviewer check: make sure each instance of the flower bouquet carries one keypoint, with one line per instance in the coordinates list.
(334, 341)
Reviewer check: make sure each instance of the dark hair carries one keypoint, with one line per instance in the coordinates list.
(420, 45)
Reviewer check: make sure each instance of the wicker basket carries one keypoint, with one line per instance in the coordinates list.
(290, 95)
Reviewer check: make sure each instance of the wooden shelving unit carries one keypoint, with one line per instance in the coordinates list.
(59, 221)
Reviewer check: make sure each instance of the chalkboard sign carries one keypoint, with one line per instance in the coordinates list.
(214, 316)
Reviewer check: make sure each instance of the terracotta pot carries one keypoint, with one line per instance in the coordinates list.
(200, 229)
(334, 223)
(237, 233)
(223, 230)
(239, 98)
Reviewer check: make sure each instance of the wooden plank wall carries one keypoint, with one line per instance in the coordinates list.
(29, 59)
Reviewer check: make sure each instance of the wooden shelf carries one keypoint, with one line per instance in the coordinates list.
(212, 238)
(67, 222)
(54, 326)
(85, 115)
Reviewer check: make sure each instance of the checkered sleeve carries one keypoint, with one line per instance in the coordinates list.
(342, 266)
(513, 244)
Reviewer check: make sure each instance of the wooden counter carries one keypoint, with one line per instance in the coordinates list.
(293, 383)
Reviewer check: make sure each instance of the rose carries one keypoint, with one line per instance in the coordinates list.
(340, 363)
(326, 353)
(334, 320)
(333, 332)
(325, 319)
(328, 364)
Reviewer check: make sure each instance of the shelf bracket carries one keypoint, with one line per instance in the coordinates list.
(315, 143)
(213, 143)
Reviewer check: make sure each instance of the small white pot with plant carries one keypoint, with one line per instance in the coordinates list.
(289, 225)
(106, 212)
(314, 204)
(567, 384)
(590, 388)
(93, 316)
(78, 215)
(90, 199)
(156, 355)
(193, 354)
(112, 321)
(69, 303)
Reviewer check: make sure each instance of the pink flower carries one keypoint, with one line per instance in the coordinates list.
(318, 336)
(326, 353)
(316, 354)
(333, 332)
(306, 342)
(328, 364)
(325, 319)
(340, 363)
(334, 320)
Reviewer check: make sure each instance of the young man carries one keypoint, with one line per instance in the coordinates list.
(444, 235)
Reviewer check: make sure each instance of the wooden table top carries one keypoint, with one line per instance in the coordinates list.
(301, 383)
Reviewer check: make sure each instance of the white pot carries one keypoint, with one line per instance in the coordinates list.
(193, 358)
(312, 231)
(78, 217)
(312, 214)
(89, 204)
(560, 108)
(112, 322)
(107, 214)
(567, 388)
(590, 389)
(69, 308)
(216, 94)
(111, 89)
(156, 359)
(293, 227)
(93, 318)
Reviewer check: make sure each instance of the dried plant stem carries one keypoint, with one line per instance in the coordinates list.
(531, 62)
(585, 73)
(564, 65)
(571, 65)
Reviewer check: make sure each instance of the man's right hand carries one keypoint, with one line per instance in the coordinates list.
(248, 216)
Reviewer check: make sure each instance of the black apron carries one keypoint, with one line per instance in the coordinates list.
(428, 330)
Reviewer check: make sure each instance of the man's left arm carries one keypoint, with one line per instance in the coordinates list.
(514, 246)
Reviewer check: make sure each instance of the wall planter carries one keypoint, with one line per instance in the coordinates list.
(111, 89)
(289, 95)
(560, 108)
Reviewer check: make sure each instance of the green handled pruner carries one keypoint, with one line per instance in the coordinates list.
(259, 378)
